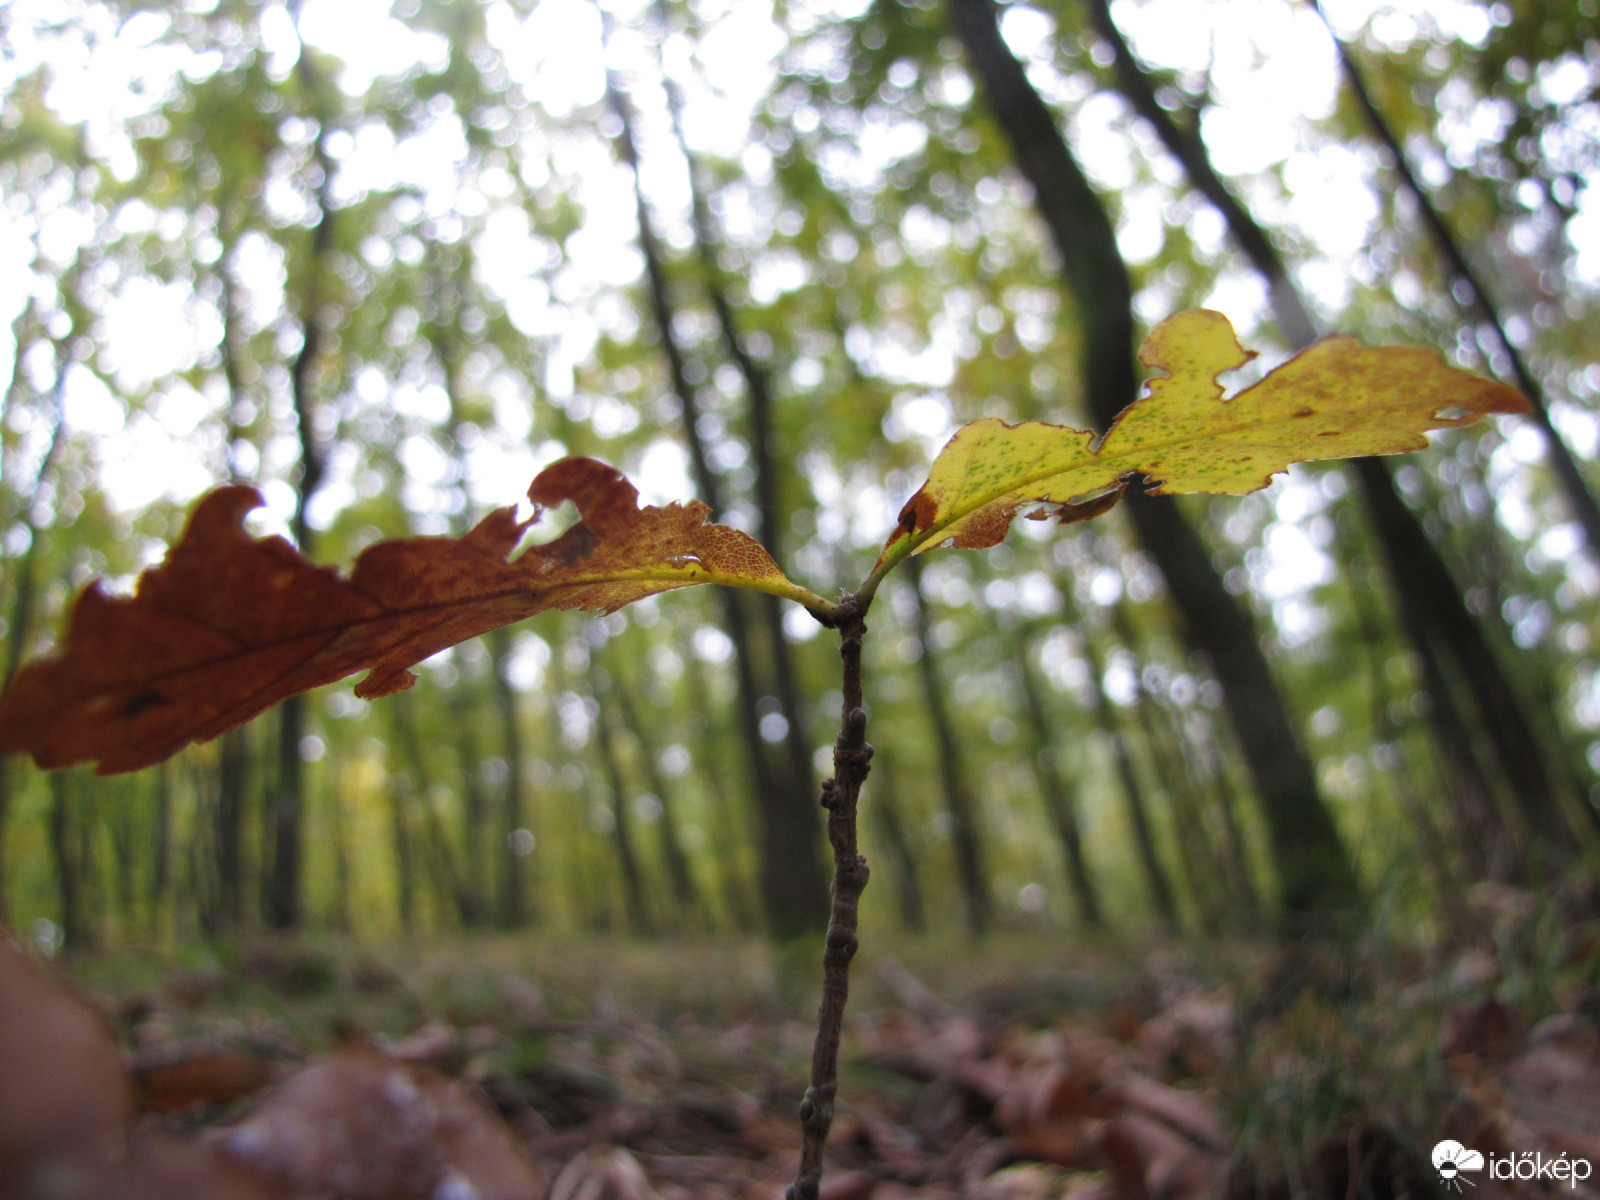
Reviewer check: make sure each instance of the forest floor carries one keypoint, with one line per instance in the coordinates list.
(494, 1066)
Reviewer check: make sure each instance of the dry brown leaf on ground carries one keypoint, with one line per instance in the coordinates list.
(360, 1126)
(65, 1103)
(603, 1173)
(172, 1077)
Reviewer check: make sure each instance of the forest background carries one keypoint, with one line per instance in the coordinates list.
(386, 262)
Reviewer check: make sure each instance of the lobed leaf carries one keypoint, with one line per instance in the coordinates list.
(228, 625)
(1337, 399)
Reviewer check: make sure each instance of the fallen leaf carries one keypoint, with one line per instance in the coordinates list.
(1337, 399)
(360, 1126)
(228, 625)
(65, 1105)
(173, 1077)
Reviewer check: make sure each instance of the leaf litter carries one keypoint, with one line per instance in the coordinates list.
(1298, 1074)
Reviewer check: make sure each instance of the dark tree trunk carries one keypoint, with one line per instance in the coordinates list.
(966, 834)
(731, 832)
(1197, 854)
(891, 827)
(1432, 608)
(1144, 838)
(66, 848)
(227, 830)
(794, 887)
(1315, 873)
(25, 585)
(685, 892)
(398, 785)
(515, 907)
(798, 776)
(633, 886)
(343, 875)
(286, 803)
(1203, 748)
(476, 885)
(161, 847)
(436, 847)
(1060, 803)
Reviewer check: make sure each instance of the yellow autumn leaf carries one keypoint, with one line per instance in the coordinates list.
(1337, 399)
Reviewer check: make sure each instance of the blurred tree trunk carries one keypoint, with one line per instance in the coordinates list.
(24, 576)
(516, 907)
(343, 876)
(448, 876)
(966, 833)
(633, 885)
(1144, 838)
(731, 832)
(227, 827)
(794, 888)
(161, 847)
(891, 826)
(685, 893)
(1201, 750)
(286, 807)
(66, 848)
(1317, 878)
(396, 786)
(1197, 853)
(797, 776)
(234, 747)
(1044, 758)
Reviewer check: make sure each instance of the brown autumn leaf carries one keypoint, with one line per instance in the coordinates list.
(360, 1126)
(65, 1104)
(229, 624)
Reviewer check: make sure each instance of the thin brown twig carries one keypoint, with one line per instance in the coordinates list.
(852, 759)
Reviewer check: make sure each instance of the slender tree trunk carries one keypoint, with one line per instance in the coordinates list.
(343, 875)
(284, 901)
(400, 839)
(907, 863)
(633, 885)
(122, 823)
(233, 748)
(1315, 872)
(19, 628)
(516, 908)
(966, 832)
(685, 893)
(436, 847)
(1197, 854)
(228, 826)
(731, 832)
(763, 435)
(1144, 838)
(1060, 803)
(161, 848)
(1441, 612)
(66, 849)
(475, 883)
(794, 889)
(1203, 748)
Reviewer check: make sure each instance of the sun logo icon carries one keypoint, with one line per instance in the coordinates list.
(1450, 1158)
